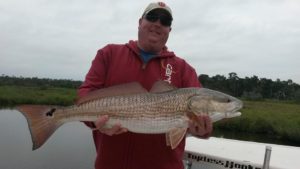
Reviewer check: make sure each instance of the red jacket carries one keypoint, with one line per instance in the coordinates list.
(116, 64)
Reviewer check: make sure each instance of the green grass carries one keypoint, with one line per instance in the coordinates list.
(14, 95)
(279, 119)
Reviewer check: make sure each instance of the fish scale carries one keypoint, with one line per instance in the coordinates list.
(154, 113)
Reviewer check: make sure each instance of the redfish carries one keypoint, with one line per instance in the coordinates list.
(164, 109)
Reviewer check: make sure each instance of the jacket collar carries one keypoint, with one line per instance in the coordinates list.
(134, 47)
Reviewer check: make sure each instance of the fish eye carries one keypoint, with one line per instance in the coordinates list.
(224, 100)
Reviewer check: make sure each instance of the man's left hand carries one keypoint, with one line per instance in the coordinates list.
(203, 131)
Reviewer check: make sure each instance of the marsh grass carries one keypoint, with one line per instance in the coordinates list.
(14, 95)
(280, 120)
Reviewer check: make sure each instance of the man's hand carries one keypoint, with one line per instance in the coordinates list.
(116, 129)
(203, 131)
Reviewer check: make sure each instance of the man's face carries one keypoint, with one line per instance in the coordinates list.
(154, 29)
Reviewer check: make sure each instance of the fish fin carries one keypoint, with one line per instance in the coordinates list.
(174, 137)
(168, 139)
(40, 122)
(116, 90)
(161, 86)
(193, 117)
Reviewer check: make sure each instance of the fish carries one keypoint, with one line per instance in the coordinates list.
(164, 109)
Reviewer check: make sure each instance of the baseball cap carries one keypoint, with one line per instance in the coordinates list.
(158, 5)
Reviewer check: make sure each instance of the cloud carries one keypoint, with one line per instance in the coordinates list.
(247, 37)
(59, 39)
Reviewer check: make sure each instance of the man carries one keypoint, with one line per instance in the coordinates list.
(146, 61)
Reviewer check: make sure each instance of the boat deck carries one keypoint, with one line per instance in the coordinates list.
(220, 153)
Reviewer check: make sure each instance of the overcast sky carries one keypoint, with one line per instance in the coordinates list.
(59, 39)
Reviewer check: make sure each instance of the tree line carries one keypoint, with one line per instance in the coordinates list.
(252, 88)
(38, 82)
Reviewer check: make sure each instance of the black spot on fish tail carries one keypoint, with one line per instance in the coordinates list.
(50, 112)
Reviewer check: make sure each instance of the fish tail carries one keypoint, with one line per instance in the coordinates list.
(41, 122)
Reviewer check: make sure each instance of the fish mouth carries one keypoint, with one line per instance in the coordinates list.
(237, 106)
(219, 116)
(234, 112)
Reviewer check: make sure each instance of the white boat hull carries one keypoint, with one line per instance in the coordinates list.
(220, 153)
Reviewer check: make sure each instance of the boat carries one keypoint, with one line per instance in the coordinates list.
(222, 153)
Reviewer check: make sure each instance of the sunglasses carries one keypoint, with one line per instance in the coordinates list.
(165, 20)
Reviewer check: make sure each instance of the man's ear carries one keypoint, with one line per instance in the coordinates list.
(170, 29)
(140, 22)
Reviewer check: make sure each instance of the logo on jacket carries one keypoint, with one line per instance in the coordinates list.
(168, 71)
(168, 74)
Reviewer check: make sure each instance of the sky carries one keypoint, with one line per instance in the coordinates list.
(59, 39)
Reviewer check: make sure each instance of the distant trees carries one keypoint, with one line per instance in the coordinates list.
(253, 88)
(37, 82)
(297, 96)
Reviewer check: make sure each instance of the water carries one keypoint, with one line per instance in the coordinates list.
(71, 146)
(261, 138)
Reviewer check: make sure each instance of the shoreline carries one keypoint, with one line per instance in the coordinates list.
(271, 118)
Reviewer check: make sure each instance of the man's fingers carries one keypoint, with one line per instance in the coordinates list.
(116, 129)
(100, 122)
(205, 130)
(111, 131)
(121, 130)
(208, 125)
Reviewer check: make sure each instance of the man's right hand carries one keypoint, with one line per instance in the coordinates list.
(115, 129)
